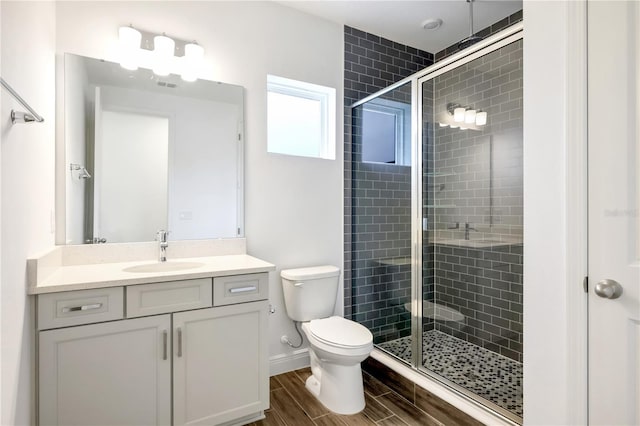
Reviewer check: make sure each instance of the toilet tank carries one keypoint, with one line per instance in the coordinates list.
(310, 293)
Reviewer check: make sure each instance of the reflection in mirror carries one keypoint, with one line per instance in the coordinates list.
(386, 128)
(161, 154)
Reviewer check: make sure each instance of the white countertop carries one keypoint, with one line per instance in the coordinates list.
(99, 275)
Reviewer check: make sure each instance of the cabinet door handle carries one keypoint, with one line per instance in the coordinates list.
(242, 289)
(164, 344)
(81, 308)
(179, 342)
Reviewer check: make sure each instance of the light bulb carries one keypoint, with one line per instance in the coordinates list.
(193, 54)
(129, 39)
(163, 48)
(481, 118)
(470, 116)
(458, 115)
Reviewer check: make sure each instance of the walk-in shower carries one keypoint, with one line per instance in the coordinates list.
(437, 221)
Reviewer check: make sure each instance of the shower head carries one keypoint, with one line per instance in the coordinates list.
(472, 39)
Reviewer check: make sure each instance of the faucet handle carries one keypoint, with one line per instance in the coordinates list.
(161, 235)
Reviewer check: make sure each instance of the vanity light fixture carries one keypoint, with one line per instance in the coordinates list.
(163, 48)
(193, 54)
(164, 55)
(458, 116)
(130, 39)
(470, 116)
(481, 118)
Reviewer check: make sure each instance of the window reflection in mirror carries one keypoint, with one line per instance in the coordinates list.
(162, 154)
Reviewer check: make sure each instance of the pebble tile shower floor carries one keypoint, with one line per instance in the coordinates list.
(479, 370)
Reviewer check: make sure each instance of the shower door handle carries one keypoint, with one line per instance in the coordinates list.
(608, 289)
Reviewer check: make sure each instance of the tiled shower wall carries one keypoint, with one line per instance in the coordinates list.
(480, 173)
(377, 196)
(377, 208)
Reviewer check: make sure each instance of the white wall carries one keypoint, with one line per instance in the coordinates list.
(554, 305)
(27, 188)
(75, 102)
(293, 205)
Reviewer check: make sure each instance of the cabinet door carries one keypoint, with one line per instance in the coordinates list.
(220, 367)
(115, 373)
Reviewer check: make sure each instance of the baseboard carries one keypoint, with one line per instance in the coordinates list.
(283, 363)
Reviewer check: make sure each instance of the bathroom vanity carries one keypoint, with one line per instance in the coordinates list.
(138, 342)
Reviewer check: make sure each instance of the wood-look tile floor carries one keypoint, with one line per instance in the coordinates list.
(293, 405)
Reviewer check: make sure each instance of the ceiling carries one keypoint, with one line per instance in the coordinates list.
(401, 21)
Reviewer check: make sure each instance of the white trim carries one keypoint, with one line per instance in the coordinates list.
(465, 404)
(326, 96)
(283, 363)
(401, 113)
(577, 214)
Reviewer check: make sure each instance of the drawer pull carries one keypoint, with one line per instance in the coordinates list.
(242, 289)
(164, 345)
(81, 308)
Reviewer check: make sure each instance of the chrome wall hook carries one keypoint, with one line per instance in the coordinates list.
(82, 171)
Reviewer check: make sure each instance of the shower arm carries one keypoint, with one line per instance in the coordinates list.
(470, 17)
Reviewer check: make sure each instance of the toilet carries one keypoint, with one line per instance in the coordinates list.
(337, 345)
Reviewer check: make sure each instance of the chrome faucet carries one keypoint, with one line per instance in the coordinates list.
(161, 237)
(468, 228)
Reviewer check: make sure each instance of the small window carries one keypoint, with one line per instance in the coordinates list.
(301, 118)
(386, 132)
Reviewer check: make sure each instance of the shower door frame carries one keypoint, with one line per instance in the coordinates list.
(478, 50)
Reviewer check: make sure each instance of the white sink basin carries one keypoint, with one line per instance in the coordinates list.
(163, 267)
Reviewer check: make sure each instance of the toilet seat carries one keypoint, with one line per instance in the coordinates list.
(339, 332)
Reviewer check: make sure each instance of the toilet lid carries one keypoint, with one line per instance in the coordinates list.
(339, 331)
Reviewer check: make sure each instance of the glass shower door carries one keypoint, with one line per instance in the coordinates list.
(381, 284)
(471, 202)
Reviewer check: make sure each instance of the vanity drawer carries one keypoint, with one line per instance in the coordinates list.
(240, 289)
(80, 307)
(172, 296)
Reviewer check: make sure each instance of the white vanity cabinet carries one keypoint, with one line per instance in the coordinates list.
(220, 367)
(169, 354)
(112, 373)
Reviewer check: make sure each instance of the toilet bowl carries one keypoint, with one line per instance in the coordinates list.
(337, 345)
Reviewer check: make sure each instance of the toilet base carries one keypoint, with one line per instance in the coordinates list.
(339, 388)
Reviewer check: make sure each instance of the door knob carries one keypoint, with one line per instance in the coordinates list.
(609, 289)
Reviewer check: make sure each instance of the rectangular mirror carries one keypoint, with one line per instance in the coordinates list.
(143, 153)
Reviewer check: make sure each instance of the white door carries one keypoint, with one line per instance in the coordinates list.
(220, 364)
(131, 164)
(614, 212)
(113, 373)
